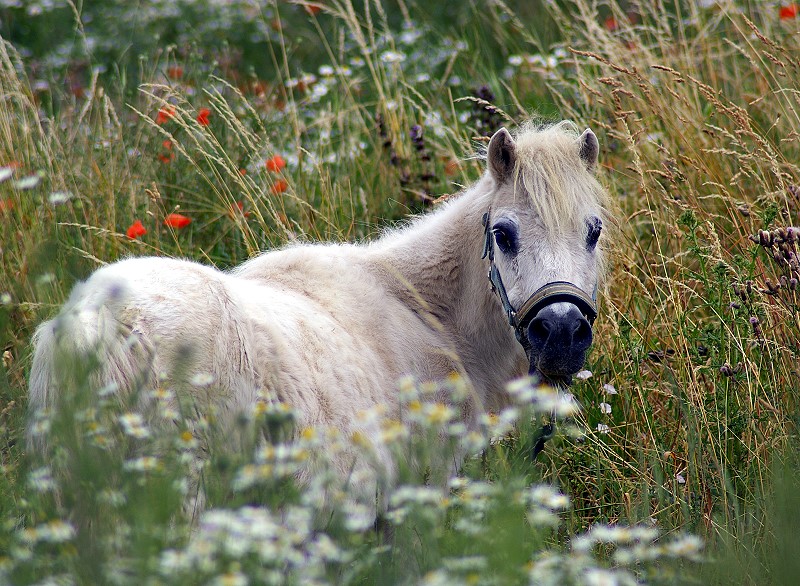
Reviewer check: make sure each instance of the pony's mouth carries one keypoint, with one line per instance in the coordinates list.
(553, 380)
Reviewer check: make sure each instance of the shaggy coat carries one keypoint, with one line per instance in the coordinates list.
(330, 328)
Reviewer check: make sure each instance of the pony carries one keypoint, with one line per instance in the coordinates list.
(329, 329)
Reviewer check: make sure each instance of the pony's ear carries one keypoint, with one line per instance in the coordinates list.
(502, 155)
(589, 149)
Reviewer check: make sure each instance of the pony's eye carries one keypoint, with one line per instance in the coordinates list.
(595, 225)
(505, 235)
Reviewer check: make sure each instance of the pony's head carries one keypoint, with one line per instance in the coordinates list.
(542, 230)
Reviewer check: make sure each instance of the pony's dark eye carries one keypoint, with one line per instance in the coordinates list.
(505, 235)
(595, 225)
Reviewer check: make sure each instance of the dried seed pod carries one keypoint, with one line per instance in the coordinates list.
(726, 370)
(793, 284)
(773, 289)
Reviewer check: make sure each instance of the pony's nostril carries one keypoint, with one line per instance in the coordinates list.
(582, 335)
(538, 330)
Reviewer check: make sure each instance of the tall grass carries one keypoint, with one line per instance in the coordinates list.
(690, 398)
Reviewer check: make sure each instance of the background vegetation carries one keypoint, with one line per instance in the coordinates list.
(225, 128)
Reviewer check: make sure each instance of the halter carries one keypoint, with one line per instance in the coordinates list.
(553, 292)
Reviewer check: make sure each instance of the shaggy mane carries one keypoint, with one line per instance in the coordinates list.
(562, 190)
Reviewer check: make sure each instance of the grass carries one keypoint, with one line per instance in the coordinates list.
(689, 416)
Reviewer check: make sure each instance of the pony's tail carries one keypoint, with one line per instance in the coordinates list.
(85, 348)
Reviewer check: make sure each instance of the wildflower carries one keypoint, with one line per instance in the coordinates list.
(515, 60)
(177, 221)
(240, 207)
(59, 197)
(166, 157)
(41, 479)
(393, 57)
(279, 186)
(6, 205)
(231, 579)
(5, 173)
(275, 163)
(611, 24)
(788, 12)
(143, 464)
(609, 389)
(680, 478)
(136, 230)
(605, 408)
(312, 9)
(175, 72)
(133, 425)
(202, 379)
(685, 546)
(603, 428)
(167, 144)
(187, 440)
(28, 182)
(56, 531)
(584, 375)
(165, 114)
(600, 577)
(202, 116)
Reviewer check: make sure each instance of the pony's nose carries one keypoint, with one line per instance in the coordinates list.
(559, 336)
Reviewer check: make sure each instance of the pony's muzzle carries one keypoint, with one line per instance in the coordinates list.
(559, 336)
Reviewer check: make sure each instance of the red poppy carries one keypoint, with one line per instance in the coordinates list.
(240, 206)
(167, 144)
(275, 164)
(242, 172)
(175, 72)
(166, 157)
(789, 11)
(136, 230)
(279, 186)
(202, 116)
(6, 205)
(165, 114)
(177, 221)
(611, 24)
(313, 9)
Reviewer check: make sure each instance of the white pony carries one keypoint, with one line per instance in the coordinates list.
(330, 328)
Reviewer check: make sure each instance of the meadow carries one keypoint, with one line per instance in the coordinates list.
(213, 130)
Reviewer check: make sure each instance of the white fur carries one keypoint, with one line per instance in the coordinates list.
(329, 329)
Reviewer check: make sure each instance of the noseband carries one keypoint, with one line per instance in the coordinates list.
(553, 292)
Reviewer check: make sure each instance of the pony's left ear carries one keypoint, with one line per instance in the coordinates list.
(502, 155)
(589, 149)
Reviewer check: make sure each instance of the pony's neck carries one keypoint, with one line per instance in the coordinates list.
(435, 267)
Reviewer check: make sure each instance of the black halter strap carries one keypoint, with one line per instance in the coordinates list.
(553, 292)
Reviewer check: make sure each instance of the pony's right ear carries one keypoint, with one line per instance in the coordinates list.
(502, 155)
